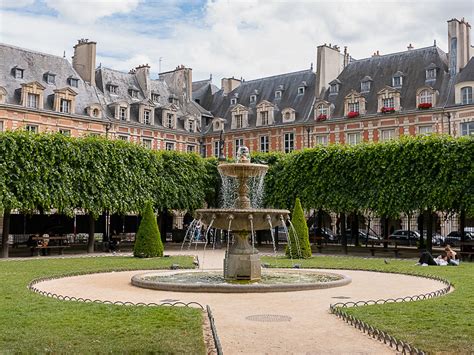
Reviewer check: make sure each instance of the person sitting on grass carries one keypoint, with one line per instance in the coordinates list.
(452, 255)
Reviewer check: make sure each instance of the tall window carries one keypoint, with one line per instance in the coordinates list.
(424, 130)
(65, 106)
(169, 146)
(321, 110)
(65, 132)
(31, 128)
(238, 143)
(397, 81)
(388, 102)
(146, 116)
(123, 113)
(426, 97)
(321, 139)
(264, 118)
(264, 144)
(33, 100)
(216, 149)
(239, 121)
(190, 149)
(123, 138)
(353, 107)
(169, 120)
(467, 128)
(387, 134)
(353, 138)
(147, 143)
(289, 142)
(466, 95)
(191, 126)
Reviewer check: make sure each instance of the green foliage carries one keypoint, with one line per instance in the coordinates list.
(148, 239)
(298, 245)
(45, 171)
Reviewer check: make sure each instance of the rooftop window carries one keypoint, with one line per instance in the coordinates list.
(301, 90)
(113, 89)
(73, 82)
(50, 78)
(18, 73)
(278, 94)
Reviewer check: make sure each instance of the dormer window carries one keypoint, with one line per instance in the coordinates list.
(365, 86)
(191, 126)
(430, 74)
(113, 89)
(278, 94)
(155, 97)
(253, 99)
(466, 95)
(65, 106)
(334, 87)
(18, 73)
(301, 90)
(50, 78)
(147, 117)
(133, 93)
(233, 101)
(397, 81)
(173, 99)
(123, 113)
(73, 82)
(426, 97)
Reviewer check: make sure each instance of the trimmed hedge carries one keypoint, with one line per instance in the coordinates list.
(148, 239)
(298, 245)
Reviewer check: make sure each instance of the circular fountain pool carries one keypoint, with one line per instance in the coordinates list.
(212, 281)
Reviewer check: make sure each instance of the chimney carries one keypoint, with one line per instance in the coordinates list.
(142, 73)
(229, 84)
(83, 60)
(329, 64)
(459, 44)
(180, 81)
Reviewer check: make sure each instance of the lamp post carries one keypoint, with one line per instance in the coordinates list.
(448, 116)
(308, 129)
(221, 146)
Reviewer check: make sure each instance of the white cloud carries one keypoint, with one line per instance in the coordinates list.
(249, 39)
(88, 11)
(13, 4)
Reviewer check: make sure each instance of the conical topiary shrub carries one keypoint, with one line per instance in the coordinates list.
(148, 240)
(298, 248)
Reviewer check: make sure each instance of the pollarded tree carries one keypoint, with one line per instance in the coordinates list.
(298, 236)
(148, 240)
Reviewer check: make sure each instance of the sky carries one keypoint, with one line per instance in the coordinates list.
(225, 38)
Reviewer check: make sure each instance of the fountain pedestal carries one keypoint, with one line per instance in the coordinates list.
(242, 262)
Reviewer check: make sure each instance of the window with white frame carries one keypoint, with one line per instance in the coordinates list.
(95, 112)
(147, 143)
(264, 118)
(322, 110)
(289, 142)
(467, 128)
(353, 106)
(155, 97)
(169, 120)
(33, 100)
(278, 94)
(253, 99)
(238, 143)
(466, 95)
(353, 138)
(113, 89)
(31, 128)
(387, 134)
(365, 86)
(397, 81)
(239, 121)
(191, 148)
(264, 144)
(424, 130)
(65, 106)
(233, 101)
(287, 116)
(50, 78)
(18, 73)
(123, 138)
(123, 113)
(334, 88)
(321, 139)
(169, 146)
(216, 148)
(147, 117)
(431, 74)
(65, 132)
(426, 97)
(133, 93)
(74, 82)
(388, 102)
(301, 90)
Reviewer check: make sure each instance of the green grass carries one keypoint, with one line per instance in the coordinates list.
(31, 323)
(440, 325)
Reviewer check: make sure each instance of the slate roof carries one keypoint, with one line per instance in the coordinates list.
(265, 89)
(381, 69)
(203, 92)
(467, 73)
(35, 66)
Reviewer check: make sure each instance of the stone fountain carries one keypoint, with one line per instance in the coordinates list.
(242, 261)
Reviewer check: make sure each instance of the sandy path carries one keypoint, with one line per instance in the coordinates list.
(311, 330)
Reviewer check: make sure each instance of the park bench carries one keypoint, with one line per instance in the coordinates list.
(46, 244)
(467, 250)
(374, 246)
(45, 249)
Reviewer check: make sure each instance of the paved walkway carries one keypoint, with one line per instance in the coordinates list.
(309, 328)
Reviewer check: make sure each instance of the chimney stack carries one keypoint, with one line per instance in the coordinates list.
(329, 64)
(142, 73)
(459, 44)
(83, 60)
(229, 84)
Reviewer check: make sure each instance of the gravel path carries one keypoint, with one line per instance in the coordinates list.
(272, 323)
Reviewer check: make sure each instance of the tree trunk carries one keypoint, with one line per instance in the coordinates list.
(462, 226)
(355, 229)
(385, 230)
(319, 234)
(343, 233)
(5, 233)
(429, 231)
(91, 240)
(421, 221)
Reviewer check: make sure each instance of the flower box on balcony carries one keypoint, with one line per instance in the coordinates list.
(387, 110)
(425, 105)
(321, 117)
(353, 114)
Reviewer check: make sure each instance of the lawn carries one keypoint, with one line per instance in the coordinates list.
(31, 323)
(440, 325)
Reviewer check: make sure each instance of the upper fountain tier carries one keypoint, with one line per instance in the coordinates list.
(242, 170)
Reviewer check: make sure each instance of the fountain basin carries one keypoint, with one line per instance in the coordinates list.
(276, 280)
(242, 170)
(241, 218)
